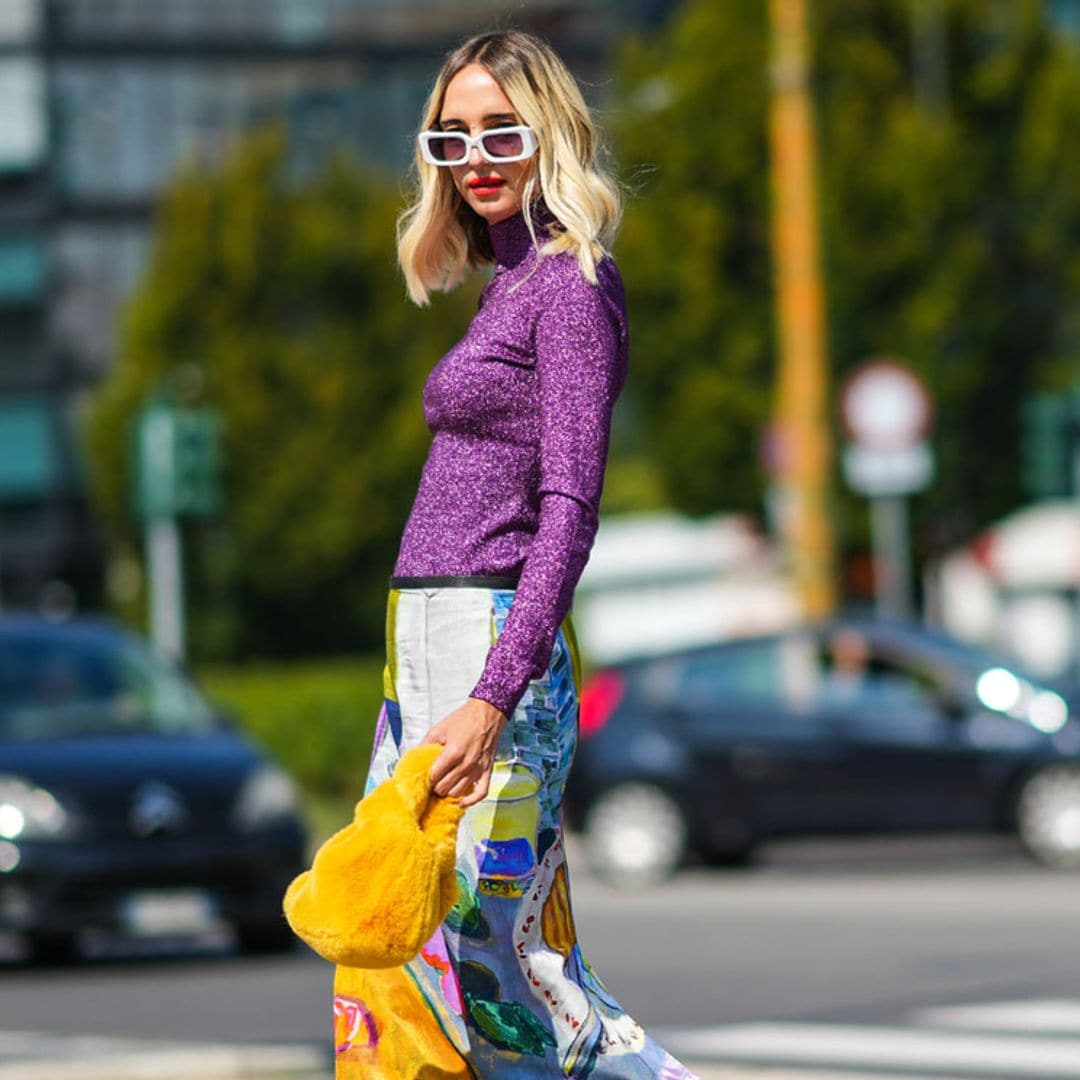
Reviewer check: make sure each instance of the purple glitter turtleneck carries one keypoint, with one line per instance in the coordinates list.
(521, 411)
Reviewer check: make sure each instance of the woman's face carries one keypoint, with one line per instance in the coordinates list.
(473, 102)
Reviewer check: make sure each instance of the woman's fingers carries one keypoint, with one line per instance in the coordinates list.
(455, 765)
(448, 765)
(469, 738)
(463, 787)
(474, 787)
(457, 771)
(479, 791)
(469, 782)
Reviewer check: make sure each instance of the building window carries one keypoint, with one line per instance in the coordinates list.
(22, 270)
(95, 268)
(29, 463)
(125, 128)
(23, 124)
(20, 22)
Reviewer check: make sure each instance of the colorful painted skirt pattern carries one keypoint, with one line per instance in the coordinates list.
(502, 991)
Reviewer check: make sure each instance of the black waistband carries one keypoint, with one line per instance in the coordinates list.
(435, 581)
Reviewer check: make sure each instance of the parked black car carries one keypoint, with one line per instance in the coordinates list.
(856, 725)
(126, 801)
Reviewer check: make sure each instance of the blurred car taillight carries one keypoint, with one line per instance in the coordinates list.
(600, 695)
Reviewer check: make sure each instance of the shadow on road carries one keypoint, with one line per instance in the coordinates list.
(100, 950)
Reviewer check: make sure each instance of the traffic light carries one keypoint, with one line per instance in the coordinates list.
(1050, 435)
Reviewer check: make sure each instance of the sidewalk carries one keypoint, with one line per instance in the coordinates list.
(37, 1056)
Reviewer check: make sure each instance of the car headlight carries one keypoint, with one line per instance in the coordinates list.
(999, 689)
(268, 794)
(29, 812)
(1002, 691)
(1048, 711)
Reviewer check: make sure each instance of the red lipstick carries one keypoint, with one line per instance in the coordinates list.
(486, 185)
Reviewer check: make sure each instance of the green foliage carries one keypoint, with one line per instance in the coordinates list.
(283, 296)
(952, 232)
(318, 717)
(950, 236)
(691, 139)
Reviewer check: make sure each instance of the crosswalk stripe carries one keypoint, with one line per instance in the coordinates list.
(857, 1046)
(27, 1055)
(1059, 1016)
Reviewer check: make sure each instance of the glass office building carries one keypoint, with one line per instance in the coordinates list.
(47, 542)
(103, 99)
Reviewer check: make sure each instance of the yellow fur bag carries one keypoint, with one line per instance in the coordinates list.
(380, 887)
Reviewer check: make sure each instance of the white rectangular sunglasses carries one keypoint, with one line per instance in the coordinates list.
(496, 145)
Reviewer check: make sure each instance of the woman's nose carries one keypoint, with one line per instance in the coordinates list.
(475, 157)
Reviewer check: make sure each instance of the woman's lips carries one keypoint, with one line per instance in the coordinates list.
(486, 185)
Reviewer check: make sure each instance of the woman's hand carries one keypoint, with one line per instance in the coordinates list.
(469, 736)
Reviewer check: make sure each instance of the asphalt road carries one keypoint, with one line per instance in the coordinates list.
(854, 934)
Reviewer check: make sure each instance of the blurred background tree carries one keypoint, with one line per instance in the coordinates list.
(282, 289)
(689, 126)
(950, 211)
(950, 196)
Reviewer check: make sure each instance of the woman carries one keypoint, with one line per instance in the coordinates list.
(481, 651)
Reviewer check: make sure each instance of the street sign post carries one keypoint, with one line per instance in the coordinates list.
(177, 474)
(1050, 459)
(886, 412)
(1050, 445)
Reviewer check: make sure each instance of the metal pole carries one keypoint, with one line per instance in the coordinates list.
(165, 563)
(803, 464)
(1076, 559)
(892, 561)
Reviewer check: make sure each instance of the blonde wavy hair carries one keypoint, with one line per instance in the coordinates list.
(440, 237)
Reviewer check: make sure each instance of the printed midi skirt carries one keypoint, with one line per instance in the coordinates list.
(502, 991)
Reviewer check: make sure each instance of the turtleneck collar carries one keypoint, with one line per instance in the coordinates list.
(510, 239)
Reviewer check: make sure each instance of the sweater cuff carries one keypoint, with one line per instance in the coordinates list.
(505, 701)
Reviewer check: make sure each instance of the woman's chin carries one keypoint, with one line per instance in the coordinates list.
(497, 208)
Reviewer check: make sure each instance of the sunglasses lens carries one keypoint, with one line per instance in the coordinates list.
(448, 148)
(503, 143)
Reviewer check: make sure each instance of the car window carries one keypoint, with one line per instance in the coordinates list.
(764, 673)
(55, 685)
(875, 689)
(853, 669)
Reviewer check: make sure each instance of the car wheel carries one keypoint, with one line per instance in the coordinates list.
(1048, 816)
(635, 835)
(265, 937)
(52, 949)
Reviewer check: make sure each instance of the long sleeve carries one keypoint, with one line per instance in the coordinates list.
(580, 343)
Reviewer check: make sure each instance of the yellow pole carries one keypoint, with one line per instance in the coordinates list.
(801, 421)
